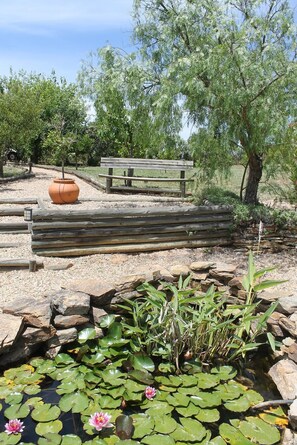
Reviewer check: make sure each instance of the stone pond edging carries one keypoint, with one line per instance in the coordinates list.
(43, 326)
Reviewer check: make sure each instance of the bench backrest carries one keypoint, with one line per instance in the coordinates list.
(152, 164)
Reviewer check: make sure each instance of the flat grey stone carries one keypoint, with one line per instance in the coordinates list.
(62, 337)
(33, 336)
(69, 321)
(10, 329)
(99, 291)
(68, 302)
(287, 304)
(284, 375)
(35, 313)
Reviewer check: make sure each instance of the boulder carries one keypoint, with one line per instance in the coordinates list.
(69, 321)
(178, 270)
(33, 336)
(62, 337)
(99, 291)
(284, 375)
(287, 304)
(10, 329)
(201, 266)
(35, 313)
(67, 302)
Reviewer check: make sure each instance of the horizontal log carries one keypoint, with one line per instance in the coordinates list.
(56, 215)
(131, 248)
(128, 239)
(14, 227)
(151, 190)
(11, 211)
(21, 263)
(119, 230)
(151, 164)
(140, 178)
(9, 245)
(18, 201)
(129, 222)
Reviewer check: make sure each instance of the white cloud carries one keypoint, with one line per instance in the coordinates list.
(32, 16)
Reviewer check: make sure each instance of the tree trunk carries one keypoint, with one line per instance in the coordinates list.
(1, 167)
(254, 177)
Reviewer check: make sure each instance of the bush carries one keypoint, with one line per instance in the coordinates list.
(246, 214)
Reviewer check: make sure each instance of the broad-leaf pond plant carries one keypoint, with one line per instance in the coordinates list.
(163, 374)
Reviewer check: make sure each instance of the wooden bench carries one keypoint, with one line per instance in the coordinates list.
(149, 164)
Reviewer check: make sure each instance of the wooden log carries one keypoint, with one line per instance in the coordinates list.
(146, 179)
(131, 248)
(18, 201)
(14, 227)
(127, 239)
(55, 215)
(19, 263)
(151, 164)
(11, 211)
(9, 245)
(119, 230)
(124, 222)
(140, 190)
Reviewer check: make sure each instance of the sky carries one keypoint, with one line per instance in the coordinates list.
(44, 35)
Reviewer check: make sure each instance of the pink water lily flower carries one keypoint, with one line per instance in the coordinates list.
(100, 421)
(150, 392)
(14, 426)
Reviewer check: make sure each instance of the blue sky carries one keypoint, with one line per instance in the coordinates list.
(42, 35)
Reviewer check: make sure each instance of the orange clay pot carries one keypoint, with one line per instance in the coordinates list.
(63, 191)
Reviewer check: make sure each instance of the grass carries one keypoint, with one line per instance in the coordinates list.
(268, 187)
(12, 170)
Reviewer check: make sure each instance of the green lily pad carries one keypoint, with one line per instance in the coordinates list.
(275, 416)
(253, 397)
(96, 441)
(93, 359)
(189, 411)
(45, 413)
(207, 400)
(14, 398)
(32, 390)
(44, 428)
(208, 415)
(230, 391)
(238, 405)
(71, 439)
(194, 427)
(143, 425)
(233, 435)
(156, 408)
(11, 439)
(17, 411)
(107, 402)
(66, 388)
(142, 361)
(76, 402)
(50, 439)
(257, 430)
(224, 372)
(86, 334)
(128, 442)
(63, 359)
(141, 376)
(207, 381)
(165, 424)
(34, 401)
(158, 439)
(106, 321)
(178, 399)
(45, 367)
(217, 441)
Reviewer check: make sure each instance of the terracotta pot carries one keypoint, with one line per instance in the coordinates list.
(63, 191)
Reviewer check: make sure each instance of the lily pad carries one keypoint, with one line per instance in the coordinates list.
(45, 413)
(50, 439)
(9, 440)
(76, 402)
(206, 380)
(189, 411)
(275, 416)
(48, 427)
(224, 372)
(194, 427)
(142, 361)
(17, 411)
(14, 398)
(208, 415)
(143, 425)
(165, 425)
(158, 439)
(86, 334)
(71, 439)
(233, 435)
(258, 430)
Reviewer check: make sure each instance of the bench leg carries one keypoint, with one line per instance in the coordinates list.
(130, 173)
(109, 181)
(182, 184)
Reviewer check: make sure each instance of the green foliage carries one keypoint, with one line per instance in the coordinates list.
(227, 63)
(175, 320)
(246, 214)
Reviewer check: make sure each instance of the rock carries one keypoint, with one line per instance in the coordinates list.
(292, 414)
(99, 291)
(68, 321)
(287, 304)
(163, 275)
(35, 313)
(288, 341)
(288, 325)
(201, 266)
(67, 302)
(236, 282)
(284, 375)
(121, 297)
(62, 337)
(273, 323)
(130, 282)
(10, 329)
(179, 270)
(220, 275)
(199, 276)
(34, 336)
(53, 352)
(268, 296)
(289, 437)
(59, 266)
(19, 352)
(224, 267)
(292, 352)
(96, 315)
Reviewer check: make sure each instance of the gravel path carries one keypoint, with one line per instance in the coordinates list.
(109, 267)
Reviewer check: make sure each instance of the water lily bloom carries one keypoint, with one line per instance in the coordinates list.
(100, 421)
(14, 426)
(150, 392)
